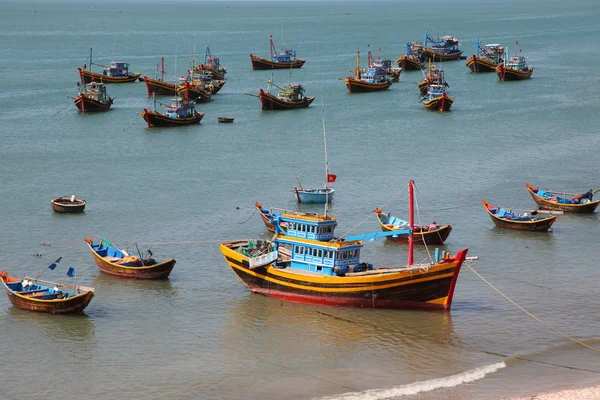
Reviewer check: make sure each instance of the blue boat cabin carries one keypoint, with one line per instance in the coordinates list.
(285, 55)
(116, 69)
(310, 228)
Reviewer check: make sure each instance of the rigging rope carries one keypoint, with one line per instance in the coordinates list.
(530, 314)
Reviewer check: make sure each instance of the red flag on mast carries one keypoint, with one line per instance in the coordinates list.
(331, 178)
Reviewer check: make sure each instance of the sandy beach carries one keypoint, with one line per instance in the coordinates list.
(591, 393)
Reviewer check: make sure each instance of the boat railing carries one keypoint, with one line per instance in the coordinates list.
(264, 259)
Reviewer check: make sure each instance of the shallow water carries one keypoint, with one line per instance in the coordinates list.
(201, 334)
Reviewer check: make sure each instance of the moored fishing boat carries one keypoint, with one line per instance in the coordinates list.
(213, 65)
(391, 73)
(68, 204)
(120, 263)
(92, 97)
(158, 85)
(180, 112)
(434, 76)
(195, 87)
(372, 79)
(44, 296)
(285, 59)
(444, 48)
(117, 72)
(322, 225)
(487, 58)
(422, 234)
(437, 99)
(503, 218)
(294, 268)
(288, 97)
(514, 69)
(413, 60)
(562, 201)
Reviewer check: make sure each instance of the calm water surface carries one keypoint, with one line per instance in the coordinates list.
(201, 334)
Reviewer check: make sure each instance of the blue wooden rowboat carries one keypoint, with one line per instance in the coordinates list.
(314, 196)
(503, 218)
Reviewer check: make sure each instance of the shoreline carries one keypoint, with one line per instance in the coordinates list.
(586, 393)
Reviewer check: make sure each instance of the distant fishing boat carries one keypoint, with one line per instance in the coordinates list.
(487, 58)
(567, 202)
(294, 268)
(195, 87)
(117, 72)
(370, 79)
(157, 85)
(413, 60)
(434, 76)
(437, 99)
(44, 296)
(503, 218)
(68, 204)
(120, 263)
(180, 112)
(92, 97)
(288, 97)
(285, 59)
(422, 234)
(444, 48)
(324, 232)
(514, 68)
(213, 65)
(391, 73)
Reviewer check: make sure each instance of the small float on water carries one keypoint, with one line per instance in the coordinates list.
(563, 201)
(68, 204)
(503, 218)
(92, 97)
(372, 79)
(120, 263)
(444, 48)
(285, 59)
(487, 58)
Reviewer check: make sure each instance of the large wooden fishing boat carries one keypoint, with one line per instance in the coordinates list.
(157, 85)
(434, 76)
(213, 65)
(372, 79)
(195, 86)
(43, 296)
(92, 97)
(329, 272)
(503, 218)
(116, 72)
(437, 99)
(68, 204)
(413, 60)
(422, 234)
(288, 97)
(444, 48)
(514, 69)
(180, 112)
(285, 59)
(567, 202)
(120, 263)
(487, 58)
(391, 73)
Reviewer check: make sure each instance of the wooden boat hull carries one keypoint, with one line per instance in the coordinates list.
(442, 103)
(315, 196)
(409, 64)
(478, 64)
(62, 205)
(86, 104)
(225, 120)
(154, 118)
(218, 75)
(259, 63)
(507, 74)
(69, 305)
(437, 236)
(264, 215)
(570, 208)
(193, 92)
(417, 289)
(357, 86)
(539, 225)
(160, 88)
(423, 87)
(435, 56)
(216, 85)
(270, 102)
(89, 76)
(157, 271)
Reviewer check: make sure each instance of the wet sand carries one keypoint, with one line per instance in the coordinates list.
(591, 393)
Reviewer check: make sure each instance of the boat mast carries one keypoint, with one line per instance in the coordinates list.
(477, 47)
(162, 71)
(357, 70)
(411, 221)
(273, 51)
(326, 161)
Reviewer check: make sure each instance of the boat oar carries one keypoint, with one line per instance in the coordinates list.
(250, 94)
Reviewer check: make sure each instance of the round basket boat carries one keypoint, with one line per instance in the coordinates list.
(68, 204)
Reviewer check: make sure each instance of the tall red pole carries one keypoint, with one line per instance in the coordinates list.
(411, 221)
(162, 70)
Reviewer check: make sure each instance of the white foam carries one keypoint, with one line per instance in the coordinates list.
(423, 386)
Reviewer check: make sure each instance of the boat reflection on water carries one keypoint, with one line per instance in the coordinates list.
(65, 328)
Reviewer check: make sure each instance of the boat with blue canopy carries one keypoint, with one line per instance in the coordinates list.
(486, 58)
(371, 79)
(318, 221)
(444, 48)
(527, 221)
(180, 112)
(413, 60)
(284, 59)
(299, 264)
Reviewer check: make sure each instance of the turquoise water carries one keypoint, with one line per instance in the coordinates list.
(201, 334)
